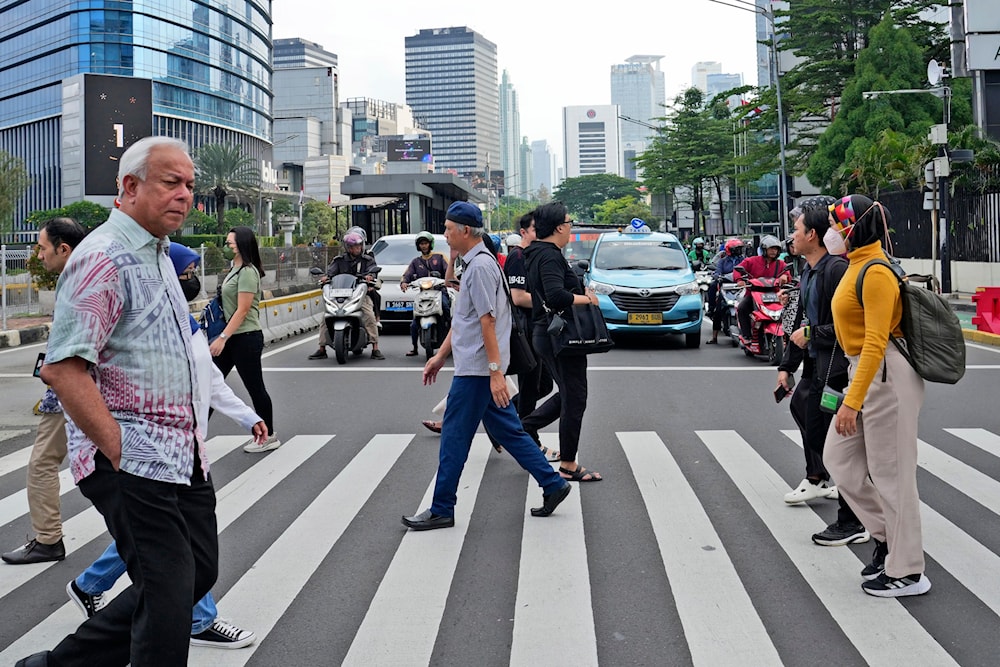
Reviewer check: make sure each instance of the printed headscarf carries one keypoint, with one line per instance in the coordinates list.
(866, 216)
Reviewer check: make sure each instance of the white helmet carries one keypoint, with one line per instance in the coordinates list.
(512, 240)
(770, 242)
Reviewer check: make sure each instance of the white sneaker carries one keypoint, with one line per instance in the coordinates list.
(223, 634)
(806, 490)
(253, 447)
(832, 493)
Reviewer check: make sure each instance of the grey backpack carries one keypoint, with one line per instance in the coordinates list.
(933, 342)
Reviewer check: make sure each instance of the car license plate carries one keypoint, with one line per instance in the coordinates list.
(398, 305)
(645, 318)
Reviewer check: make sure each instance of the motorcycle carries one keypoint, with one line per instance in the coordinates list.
(703, 276)
(433, 322)
(343, 296)
(766, 332)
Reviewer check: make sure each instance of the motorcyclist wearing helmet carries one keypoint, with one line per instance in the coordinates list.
(356, 262)
(497, 245)
(426, 263)
(765, 265)
(699, 253)
(725, 263)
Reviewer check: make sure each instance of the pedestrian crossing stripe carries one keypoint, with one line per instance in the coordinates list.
(716, 611)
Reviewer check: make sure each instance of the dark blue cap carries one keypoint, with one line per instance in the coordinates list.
(465, 213)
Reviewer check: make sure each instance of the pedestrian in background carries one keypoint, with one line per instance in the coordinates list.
(57, 239)
(241, 343)
(480, 340)
(120, 359)
(814, 346)
(554, 287)
(871, 449)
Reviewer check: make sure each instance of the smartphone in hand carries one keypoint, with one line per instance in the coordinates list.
(781, 392)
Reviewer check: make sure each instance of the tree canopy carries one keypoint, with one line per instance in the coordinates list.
(581, 194)
(14, 181)
(222, 170)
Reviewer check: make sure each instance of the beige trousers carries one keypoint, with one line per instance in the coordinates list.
(47, 455)
(367, 321)
(884, 448)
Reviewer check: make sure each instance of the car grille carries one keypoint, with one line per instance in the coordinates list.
(633, 303)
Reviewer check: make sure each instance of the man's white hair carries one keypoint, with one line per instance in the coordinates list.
(135, 159)
(475, 232)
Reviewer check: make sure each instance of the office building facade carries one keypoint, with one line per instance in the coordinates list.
(637, 87)
(543, 166)
(510, 128)
(82, 81)
(452, 87)
(592, 140)
(298, 52)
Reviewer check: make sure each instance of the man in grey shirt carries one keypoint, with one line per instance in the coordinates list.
(480, 340)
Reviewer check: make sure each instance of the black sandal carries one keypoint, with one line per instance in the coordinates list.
(580, 475)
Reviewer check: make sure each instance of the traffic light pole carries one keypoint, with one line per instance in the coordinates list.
(943, 235)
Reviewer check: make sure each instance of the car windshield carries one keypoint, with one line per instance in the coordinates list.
(581, 245)
(401, 251)
(640, 255)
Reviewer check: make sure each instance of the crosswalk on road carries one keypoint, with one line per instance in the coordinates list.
(686, 554)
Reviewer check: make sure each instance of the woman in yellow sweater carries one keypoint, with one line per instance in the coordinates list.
(871, 448)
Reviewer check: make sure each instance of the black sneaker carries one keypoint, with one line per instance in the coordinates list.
(877, 565)
(35, 552)
(88, 604)
(839, 533)
(885, 586)
(318, 354)
(377, 354)
(223, 634)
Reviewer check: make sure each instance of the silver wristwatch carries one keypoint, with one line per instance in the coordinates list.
(494, 367)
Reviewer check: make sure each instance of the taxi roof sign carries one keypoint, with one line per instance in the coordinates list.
(638, 226)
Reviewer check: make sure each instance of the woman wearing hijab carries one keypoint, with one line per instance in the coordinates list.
(871, 448)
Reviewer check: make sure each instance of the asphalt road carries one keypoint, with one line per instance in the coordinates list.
(684, 555)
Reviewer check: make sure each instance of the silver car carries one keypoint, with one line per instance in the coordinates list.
(394, 252)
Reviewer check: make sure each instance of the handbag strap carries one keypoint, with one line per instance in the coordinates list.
(506, 289)
(829, 366)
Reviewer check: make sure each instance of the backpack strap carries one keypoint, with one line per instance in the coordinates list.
(858, 288)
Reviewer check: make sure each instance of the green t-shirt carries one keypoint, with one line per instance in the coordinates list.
(243, 279)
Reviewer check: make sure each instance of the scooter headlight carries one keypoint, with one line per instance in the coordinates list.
(426, 284)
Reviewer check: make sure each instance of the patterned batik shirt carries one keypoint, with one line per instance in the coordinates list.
(120, 308)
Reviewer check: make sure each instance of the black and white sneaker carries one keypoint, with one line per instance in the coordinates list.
(884, 586)
(223, 634)
(877, 564)
(839, 533)
(88, 604)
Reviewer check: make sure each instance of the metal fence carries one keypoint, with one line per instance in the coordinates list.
(973, 222)
(17, 290)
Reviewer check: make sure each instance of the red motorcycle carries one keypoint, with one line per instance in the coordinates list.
(766, 333)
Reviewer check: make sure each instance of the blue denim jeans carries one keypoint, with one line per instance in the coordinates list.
(469, 403)
(109, 566)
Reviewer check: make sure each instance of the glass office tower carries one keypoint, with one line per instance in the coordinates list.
(206, 71)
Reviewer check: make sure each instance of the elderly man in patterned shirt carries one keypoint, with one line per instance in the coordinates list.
(121, 324)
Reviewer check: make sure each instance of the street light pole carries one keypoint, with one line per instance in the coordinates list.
(768, 15)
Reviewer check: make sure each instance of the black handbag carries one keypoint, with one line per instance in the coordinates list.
(579, 329)
(522, 357)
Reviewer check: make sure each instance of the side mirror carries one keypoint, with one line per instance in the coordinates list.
(316, 271)
(584, 264)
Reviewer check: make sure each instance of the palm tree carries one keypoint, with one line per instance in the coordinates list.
(222, 170)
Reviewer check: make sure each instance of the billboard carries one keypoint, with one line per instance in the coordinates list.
(407, 150)
(118, 111)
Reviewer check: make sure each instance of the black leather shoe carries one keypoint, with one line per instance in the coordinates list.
(428, 521)
(35, 552)
(551, 501)
(318, 354)
(36, 660)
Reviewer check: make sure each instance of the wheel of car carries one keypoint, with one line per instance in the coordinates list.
(692, 340)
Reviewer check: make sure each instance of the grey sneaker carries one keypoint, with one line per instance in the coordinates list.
(253, 447)
(88, 604)
(839, 533)
(223, 634)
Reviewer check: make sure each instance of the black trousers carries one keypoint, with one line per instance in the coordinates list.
(567, 405)
(168, 537)
(813, 424)
(743, 310)
(532, 385)
(243, 352)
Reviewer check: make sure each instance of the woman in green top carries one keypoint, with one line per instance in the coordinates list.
(241, 343)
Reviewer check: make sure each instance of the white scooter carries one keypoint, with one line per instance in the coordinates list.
(344, 296)
(433, 322)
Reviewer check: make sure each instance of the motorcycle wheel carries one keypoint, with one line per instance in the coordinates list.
(428, 337)
(775, 350)
(340, 345)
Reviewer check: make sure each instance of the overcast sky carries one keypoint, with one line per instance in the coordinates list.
(557, 53)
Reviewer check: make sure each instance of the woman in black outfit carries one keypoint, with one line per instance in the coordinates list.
(556, 286)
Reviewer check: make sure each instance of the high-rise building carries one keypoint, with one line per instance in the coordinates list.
(543, 166)
(592, 140)
(637, 87)
(297, 52)
(83, 80)
(451, 85)
(715, 84)
(700, 72)
(510, 128)
(525, 171)
(306, 124)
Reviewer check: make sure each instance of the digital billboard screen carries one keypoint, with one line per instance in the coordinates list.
(118, 111)
(405, 150)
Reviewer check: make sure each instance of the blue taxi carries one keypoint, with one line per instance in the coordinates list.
(645, 284)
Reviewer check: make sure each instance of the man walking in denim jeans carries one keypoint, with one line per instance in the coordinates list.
(480, 340)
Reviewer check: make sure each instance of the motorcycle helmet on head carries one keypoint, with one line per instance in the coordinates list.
(512, 240)
(769, 241)
(353, 239)
(734, 247)
(698, 241)
(360, 231)
(424, 236)
(496, 241)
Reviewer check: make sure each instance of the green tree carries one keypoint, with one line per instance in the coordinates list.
(87, 213)
(893, 160)
(223, 170)
(892, 61)
(238, 217)
(201, 222)
(621, 211)
(14, 181)
(544, 196)
(504, 217)
(318, 221)
(582, 193)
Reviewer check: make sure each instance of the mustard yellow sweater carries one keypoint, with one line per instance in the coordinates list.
(865, 331)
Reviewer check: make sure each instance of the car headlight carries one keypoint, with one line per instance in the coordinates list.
(602, 288)
(688, 288)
